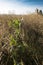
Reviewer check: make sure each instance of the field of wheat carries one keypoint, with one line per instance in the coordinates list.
(21, 42)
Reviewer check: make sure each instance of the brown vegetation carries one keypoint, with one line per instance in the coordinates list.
(32, 28)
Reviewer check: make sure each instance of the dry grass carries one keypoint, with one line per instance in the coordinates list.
(33, 30)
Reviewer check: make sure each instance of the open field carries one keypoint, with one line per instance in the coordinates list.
(23, 40)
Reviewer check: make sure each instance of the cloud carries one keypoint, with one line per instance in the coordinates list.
(17, 7)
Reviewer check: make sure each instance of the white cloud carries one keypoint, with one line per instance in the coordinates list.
(16, 7)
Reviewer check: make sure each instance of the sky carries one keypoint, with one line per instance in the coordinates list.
(20, 6)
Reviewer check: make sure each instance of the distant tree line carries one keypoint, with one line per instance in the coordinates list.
(39, 11)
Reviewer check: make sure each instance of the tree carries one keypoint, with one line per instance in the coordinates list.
(36, 10)
(40, 11)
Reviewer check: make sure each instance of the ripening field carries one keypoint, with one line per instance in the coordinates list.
(21, 41)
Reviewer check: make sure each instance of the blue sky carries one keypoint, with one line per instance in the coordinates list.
(20, 6)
